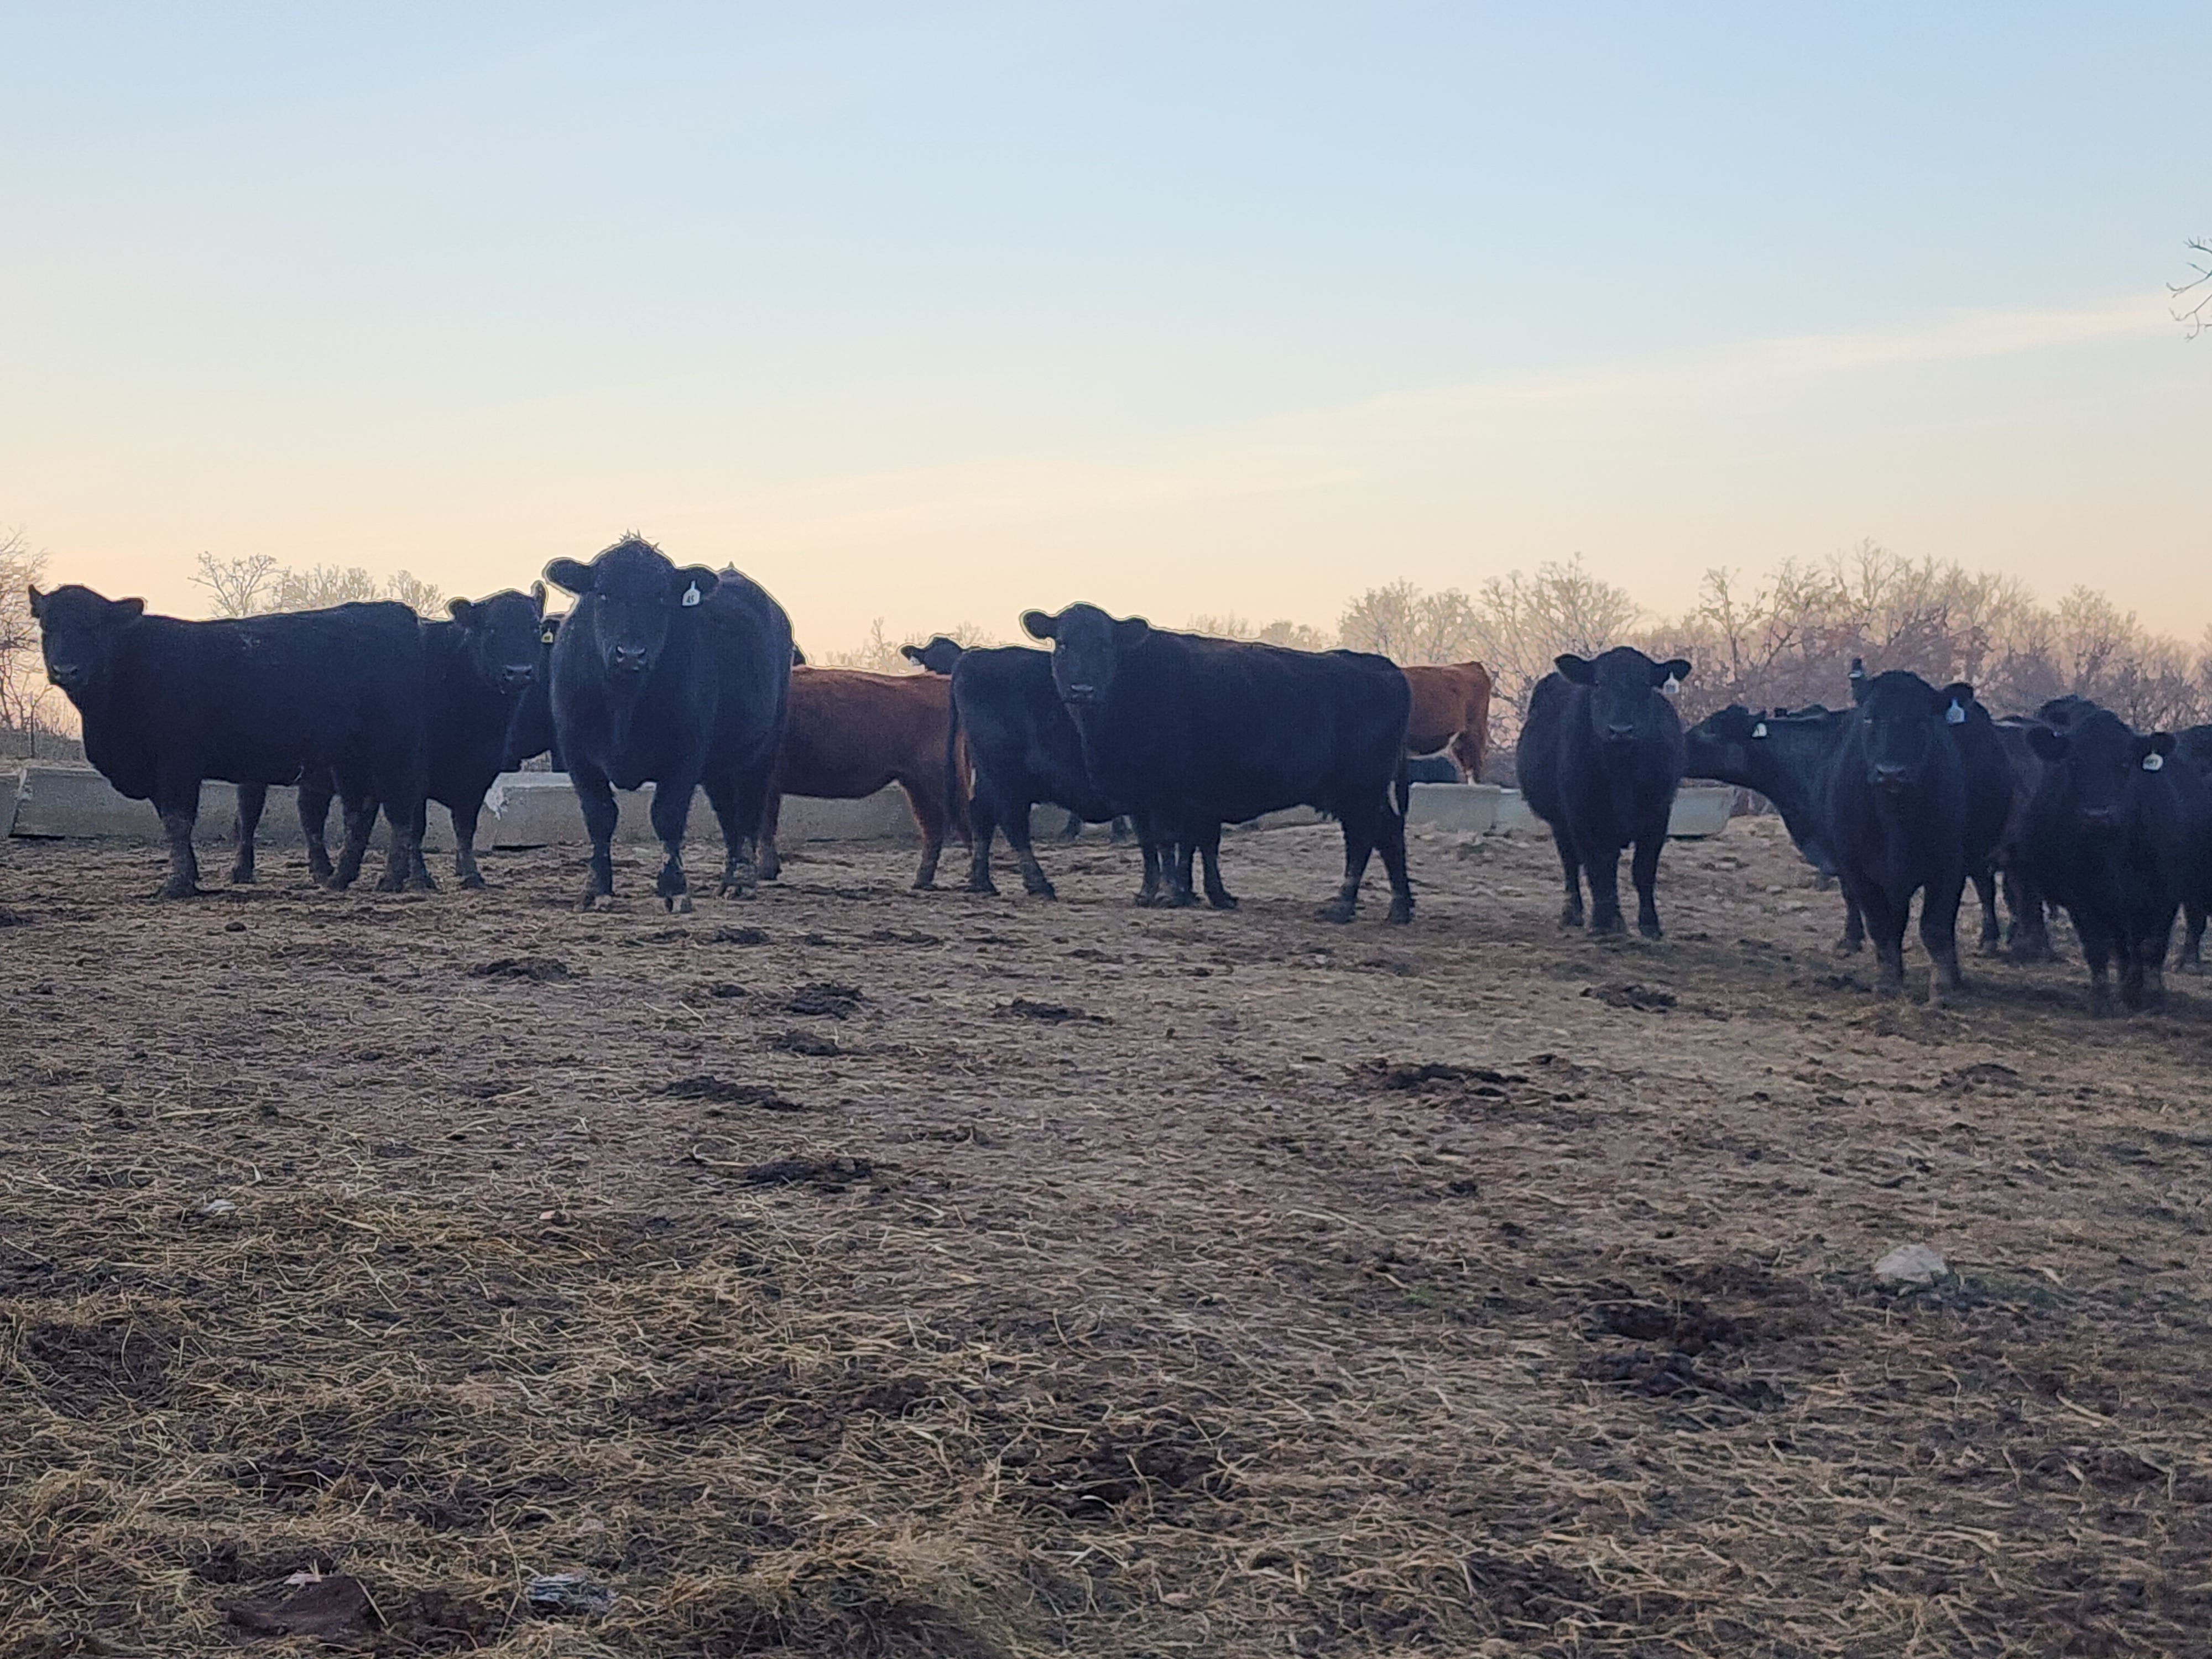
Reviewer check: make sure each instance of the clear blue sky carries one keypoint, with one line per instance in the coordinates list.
(932, 313)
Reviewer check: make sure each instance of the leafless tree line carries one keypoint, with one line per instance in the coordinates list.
(256, 585)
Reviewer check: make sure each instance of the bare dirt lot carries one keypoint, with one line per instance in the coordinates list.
(860, 1271)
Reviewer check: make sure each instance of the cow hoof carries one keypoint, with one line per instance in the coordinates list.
(1043, 890)
(1650, 930)
(989, 888)
(1613, 928)
(241, 878)
(1222, 900)
(1339, 911)
(768, 869)
(1847, 947)
(1571, 915)
(472, 883)
(171, 889)
(596, 900)
(925, 884)
(1402, 911)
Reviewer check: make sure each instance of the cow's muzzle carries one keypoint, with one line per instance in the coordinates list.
(628, 659)
(515, 676)
(1082, 694)
(1890, 779)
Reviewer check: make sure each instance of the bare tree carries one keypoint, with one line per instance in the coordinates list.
(25, 696)
(1298, 637)
(879, 654)
(1524, 622)
(1408, 625)
(240, 588)
(424, 598)
(2195, 315)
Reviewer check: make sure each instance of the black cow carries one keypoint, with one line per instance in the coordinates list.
(2117, 834)
(1599, 760)
(259, 700)
(530, 733)
(675, 677)
(1993, 799)
(1897, 812)
(1193, 733)
(1785, 756)
(1023, 748)
(2028, 938)
(937, 657)
(479, 667)
(1432, 768)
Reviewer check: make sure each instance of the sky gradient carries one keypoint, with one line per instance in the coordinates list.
(936, 313)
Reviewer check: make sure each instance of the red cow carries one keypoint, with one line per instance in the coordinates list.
(1452, 710)
(850, 733)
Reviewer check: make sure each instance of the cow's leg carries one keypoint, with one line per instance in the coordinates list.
(465, 842)
(1939, 936)
(2097, 951)
(1885, 925)
(2154, 938)
(769, 865)
(1209, 848)
(357, 807)
(1014, 819)
(1571, 872)
(1359, 846)
(1854, 938)
(983, 824)
(314, 794)
(1183, 893)
(418, 871)
(923, 798)
(595, 796)
(1604, 871)
(1986, 889)
(671, 812)
(1148, 842)
(1122, 829)
(251, 798)
(1643, 870)
(404, 870)
(749, 790)
(1390, 842)
(178, 801)
(1073, 830)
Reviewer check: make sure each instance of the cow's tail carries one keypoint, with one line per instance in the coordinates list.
(1403, 786)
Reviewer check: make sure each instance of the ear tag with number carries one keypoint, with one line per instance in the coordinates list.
(1760, 730)
(2153, 762)
(691, 595)
(1955, 715)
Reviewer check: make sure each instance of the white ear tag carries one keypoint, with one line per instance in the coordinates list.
(546, 638)
(691, 595)
(1955, 715)
(2153, 762)
(1760, 730)
(1672, 686)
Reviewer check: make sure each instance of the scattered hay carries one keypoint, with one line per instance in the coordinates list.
(709, 1087)
(538, 970)
(1639, 999)
(1051, 1014)
(827, 1001)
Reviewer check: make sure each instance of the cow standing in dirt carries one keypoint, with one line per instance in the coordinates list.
(1599, 758)
(258, 700)
(847, 734)
(672, 676)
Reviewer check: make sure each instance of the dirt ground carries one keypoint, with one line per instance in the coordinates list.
(862, 1271)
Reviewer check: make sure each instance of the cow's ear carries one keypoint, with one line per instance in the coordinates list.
(1677, 670)
(1039, 626)
(1131, 632)
(2046, 744)
(462, 612)
(913, 653)
(2158, 743)
(797, 657)
(1959, 692)
(124, 611)
(1575, 670)
(692, 584)
(569, 575)
(37, 603)
(538, 596)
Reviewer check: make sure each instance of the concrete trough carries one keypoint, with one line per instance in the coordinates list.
(1700, 810)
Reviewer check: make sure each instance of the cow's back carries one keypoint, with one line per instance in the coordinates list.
(1536, 758)
(849, 732)
(261, 698)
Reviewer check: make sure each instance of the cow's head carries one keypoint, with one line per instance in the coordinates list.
(1621, 684)
(2061, 713)
(503, 637)
(639, 597)
(937, 657)
(1086, 649)
(2103, 762)
(1900, 720)
(77, 633)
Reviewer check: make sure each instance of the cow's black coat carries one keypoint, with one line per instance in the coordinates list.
(1598, 759)
(1897, 813)
(260, 700)
(1785, 756)
(2117, 834)
(478, 669)
(675, 678)
(1023, 749)
(1192, 732)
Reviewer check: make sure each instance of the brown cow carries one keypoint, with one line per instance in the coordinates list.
(1451, 707)
(848, 734)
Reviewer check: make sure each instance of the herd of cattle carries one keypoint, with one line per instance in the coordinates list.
(687, 679)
